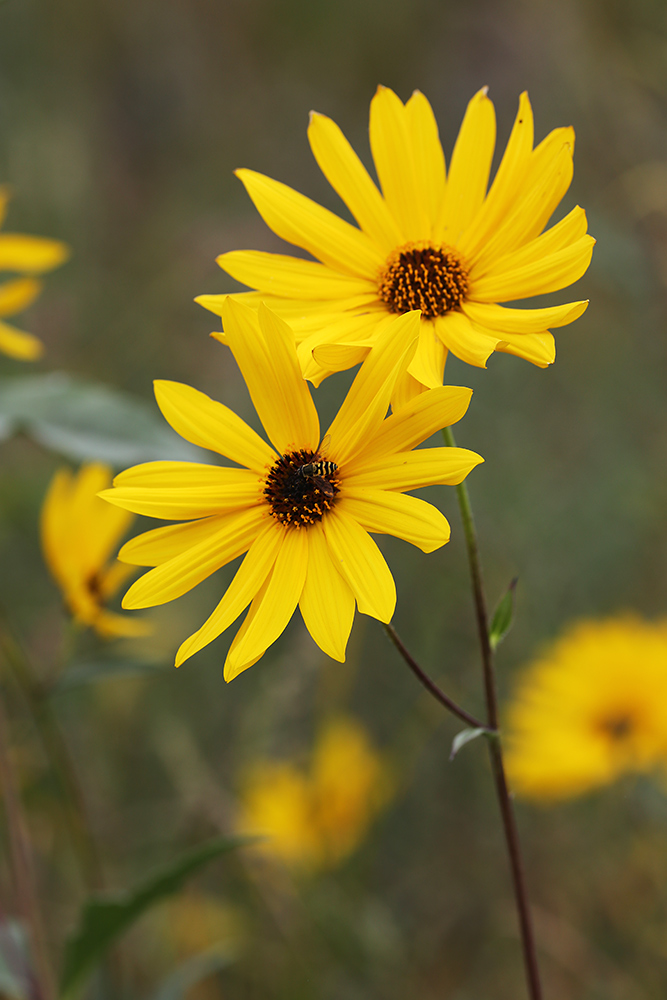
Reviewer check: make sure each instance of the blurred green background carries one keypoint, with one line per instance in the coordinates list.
(121, 122)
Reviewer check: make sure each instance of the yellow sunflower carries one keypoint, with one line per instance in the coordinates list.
(314, 819)
(592, 707)
(79, 533)
(301, 509)
(434, 241)
(27, 255)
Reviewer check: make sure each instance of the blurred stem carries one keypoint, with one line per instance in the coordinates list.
(22, 868)
(59, 758)
(495, 745)
(429, 684)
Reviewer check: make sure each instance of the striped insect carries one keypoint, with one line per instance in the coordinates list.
(316, 471)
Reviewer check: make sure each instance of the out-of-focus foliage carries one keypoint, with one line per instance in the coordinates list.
(120, 125)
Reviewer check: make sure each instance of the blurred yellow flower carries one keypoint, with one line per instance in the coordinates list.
(313, 820)
(27, 255)
(79, 533)
(301, 512)
(436, 242)
(592, 707)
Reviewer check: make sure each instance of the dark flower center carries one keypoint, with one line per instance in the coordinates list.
(617, 727)
(420, 276)
(301, 487)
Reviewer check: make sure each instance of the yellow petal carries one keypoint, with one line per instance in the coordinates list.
(349, 178)
(395, 165)
(209, 424)
(388, 513)
(17, 295)
(428, 364)
(19, 345)
(327, 603)
(548, 150)
(538, 348)
(30, 254)
(306, 224)
(161, 544)
(468, 170)
(278, 274)
(247, 582)
(349, 328)
(54, 521)
(468, 342)
(411, 470)
(564, 234)
(429, 159)
(169, 474)
(187, 503)
(271, 616)
(339, 357)
(530, 213)
(112, 579)
(264, 348)
(406, 389)
(361, 563)
(113, 626)
(175, 577)
(507, 184)
(523, 321)
(367, 402)
(548, 274)
(418, 420)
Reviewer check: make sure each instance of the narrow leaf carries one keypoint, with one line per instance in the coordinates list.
(465, 736)
(502, 618)
(105, 918)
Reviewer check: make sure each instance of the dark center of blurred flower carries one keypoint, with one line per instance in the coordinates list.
(617, 727)
(301, 487)
(421, 276)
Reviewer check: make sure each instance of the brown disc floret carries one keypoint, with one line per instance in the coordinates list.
(296, 499)
(422, 276)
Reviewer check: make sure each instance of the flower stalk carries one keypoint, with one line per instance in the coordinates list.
(430, 684)
(22, 868)
(495, 746)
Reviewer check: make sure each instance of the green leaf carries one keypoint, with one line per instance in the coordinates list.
(187, 975)
(86, 421)
(502, 618)
(465, 736)
(105, 918)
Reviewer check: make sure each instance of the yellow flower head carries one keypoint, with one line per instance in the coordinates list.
(592, 707)
(27, 255)
(302, 509)
(433, 240)
(79, 533)
(315, 819)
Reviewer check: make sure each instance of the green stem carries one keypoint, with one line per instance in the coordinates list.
(60, 760)
(22, 868)
(495, 745)
(430, 684)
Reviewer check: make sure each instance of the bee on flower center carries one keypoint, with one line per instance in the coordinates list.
(301, 487)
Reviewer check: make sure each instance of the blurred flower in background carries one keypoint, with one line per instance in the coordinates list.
(27, 255)
(79, 533)
(313, 819)
(592, 707)
(430, 242)
(301, 512)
